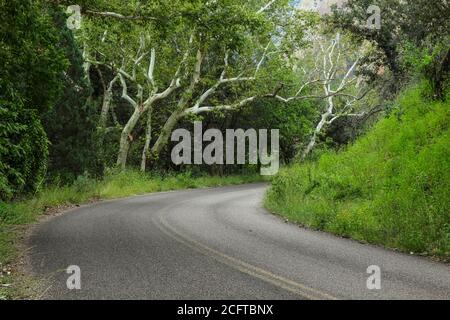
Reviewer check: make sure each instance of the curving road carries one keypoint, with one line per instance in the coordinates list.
(215, 244)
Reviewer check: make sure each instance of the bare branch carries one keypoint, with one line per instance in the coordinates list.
(118, 15)
(125, 92)
(308, 84)
(126, 75)
(225, 60)
(264, 56)
(197, 69)
(234, 106)
(175, 84)
(151, 68)
(344, 80)
(176, 81)
(113, 82)
(222, 80)
(299, 97)
(267, 6)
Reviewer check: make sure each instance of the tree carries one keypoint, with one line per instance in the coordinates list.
(236, 28)
(143, 104)
(332, 68)
(205, 52)
(416, 22)
(30, 82)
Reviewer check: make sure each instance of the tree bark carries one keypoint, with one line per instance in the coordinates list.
(125, 138)
(106, 103)
(324, 119)
(148, 138)
(313, 141)
(172, 121)
(163, 137)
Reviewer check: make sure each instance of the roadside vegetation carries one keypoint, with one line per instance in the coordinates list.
(391, 187)
(388, 181)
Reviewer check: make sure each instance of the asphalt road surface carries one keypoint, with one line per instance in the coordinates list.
(215, 244)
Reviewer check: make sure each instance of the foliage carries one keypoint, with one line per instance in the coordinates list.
(421, 23)
(31, 58)
(32, 64)
(23, 150)
(294, 120)
(71, 123)
(431, 61)
(391, 187)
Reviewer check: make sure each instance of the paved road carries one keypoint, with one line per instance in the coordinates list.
(215, 244)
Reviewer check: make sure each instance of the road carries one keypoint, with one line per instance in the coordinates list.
(215, 243)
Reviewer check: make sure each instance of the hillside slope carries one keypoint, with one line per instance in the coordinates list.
(391, 187)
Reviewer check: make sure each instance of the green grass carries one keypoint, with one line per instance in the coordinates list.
(391, 187)
(13, 216)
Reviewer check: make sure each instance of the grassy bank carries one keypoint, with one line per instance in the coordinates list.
(391, 187)
(15, 216)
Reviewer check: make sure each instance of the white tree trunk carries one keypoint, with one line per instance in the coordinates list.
(317, 131)
(125, 138)
(106, 103)
(148, 138)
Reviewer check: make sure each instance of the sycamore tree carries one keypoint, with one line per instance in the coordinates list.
(332, 65)
(204, 48)
(188, 59)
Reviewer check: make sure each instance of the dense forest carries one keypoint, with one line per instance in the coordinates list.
(90, 94)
